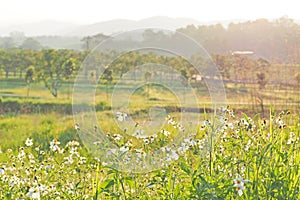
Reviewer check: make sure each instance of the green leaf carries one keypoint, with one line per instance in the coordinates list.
(185, 167)
(176, 191)
(76, 185)
(107, 184)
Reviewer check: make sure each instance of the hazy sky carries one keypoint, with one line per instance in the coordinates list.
(90, 11)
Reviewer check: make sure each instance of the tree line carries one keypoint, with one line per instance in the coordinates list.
(53, 67)
(49, 66)
(277, 41)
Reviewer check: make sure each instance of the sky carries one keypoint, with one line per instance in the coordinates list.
(91, 11)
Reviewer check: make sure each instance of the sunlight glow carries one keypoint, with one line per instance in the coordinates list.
(92, 11)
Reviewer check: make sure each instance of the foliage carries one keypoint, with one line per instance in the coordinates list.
(261, 80)
(29, 77)
(252, 158)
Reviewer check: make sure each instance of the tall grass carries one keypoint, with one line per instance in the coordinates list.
(262, 153)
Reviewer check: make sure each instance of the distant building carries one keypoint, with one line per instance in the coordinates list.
(242, 53)
(196, 77)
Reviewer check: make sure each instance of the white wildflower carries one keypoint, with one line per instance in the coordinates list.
(138, 133)
(77, 128)
(73, 151)
(292, 138)
(121, 116)
(34, 193)
(72, 143)
(69, 159)
(54, 145)
(117, 137)
(82, 160)
(28, 142)
(239, 185)
(124, 149)
(31, 158)
(230, 125)
(248, 145)
(140, 153)
(110, 152)
(239, 188)
(21, 154)
(2, 170)
(166, 133)
(174, 155)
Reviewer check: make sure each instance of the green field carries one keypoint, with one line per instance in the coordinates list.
(265, 154)
(248, 157)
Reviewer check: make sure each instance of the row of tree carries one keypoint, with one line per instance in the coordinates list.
(53, 67)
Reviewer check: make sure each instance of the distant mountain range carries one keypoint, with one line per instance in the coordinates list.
(50, 27)
(121, 25)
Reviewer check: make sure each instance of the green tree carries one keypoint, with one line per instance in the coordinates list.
(31, 43)
(223, 65)
(184, 81)
(69, 68)
(7, 43)
(262, 69)
(6, 62)
(107, 78)
(29, 78)
(261, 80)
(50, 71)
(90, 42)
(21, 59)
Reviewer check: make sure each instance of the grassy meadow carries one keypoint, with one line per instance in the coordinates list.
(251, 156)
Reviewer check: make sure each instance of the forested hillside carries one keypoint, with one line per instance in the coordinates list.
(277, 41)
